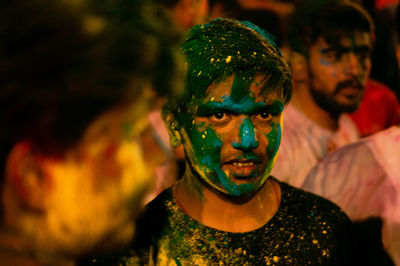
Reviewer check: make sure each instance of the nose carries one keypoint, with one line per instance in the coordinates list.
(247, 138)
(352, 64)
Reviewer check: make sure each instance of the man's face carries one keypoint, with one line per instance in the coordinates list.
(338, 72)
(231, 142)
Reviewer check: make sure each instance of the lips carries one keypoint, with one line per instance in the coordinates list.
(349, 87)
(243, 164)
(351, 92)
(241, 168)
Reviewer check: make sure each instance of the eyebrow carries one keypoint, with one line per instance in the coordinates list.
(347, 49)
(209, 108)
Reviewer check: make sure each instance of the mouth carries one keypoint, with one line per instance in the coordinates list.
(243, 164)
(351, 90)
(241, 168)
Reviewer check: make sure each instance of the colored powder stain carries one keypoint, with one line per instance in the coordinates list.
(324, 62)
(232, 188)
(240, 86)
(274, 139)
(247, 136)
(178, 262)
(207, 146)
(243, 106)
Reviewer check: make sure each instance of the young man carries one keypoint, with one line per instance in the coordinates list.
(364, 179)
(74, 90)
(227, 209)
(331, 44)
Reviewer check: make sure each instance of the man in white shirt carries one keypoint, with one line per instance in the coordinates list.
(331, 44)
(364, 180)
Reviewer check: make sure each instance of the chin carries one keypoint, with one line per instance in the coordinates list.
(238, 190)
(349, 108)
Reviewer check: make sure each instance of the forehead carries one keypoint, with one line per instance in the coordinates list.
(350, 40)
(238, 88)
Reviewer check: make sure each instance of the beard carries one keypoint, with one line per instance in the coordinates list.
(329, 103)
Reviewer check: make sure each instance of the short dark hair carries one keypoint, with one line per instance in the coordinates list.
(226, 47)
(62, 65)
(329, 19)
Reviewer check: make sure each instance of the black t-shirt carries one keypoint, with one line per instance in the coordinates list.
(306, 230)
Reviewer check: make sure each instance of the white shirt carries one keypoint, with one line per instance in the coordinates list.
(364, 180)
(304, 144)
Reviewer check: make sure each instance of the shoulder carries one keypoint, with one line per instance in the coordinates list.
(376, 88)
(153, 218)
(309, 207)
(317, 225)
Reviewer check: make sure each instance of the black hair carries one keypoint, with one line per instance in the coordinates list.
(225, 47)
(63, 64)
(328, 19)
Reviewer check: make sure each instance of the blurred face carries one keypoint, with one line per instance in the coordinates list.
(98, 185)
(339, 72)
(231, 141)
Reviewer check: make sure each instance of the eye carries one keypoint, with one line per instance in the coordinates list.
(363, 55)
(264, 116)
(220, 117)
(334, 56)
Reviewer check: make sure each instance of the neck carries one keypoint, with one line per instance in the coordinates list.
(223, 212)
(304, 102)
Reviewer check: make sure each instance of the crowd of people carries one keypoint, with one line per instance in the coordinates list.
(199, 132)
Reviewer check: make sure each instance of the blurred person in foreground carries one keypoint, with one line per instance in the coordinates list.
(330, 44)
(183, 14)
(74, 87)
(227, 209)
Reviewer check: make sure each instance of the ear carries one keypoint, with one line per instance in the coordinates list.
(26, 176)
(298, 63)
(172, 127)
